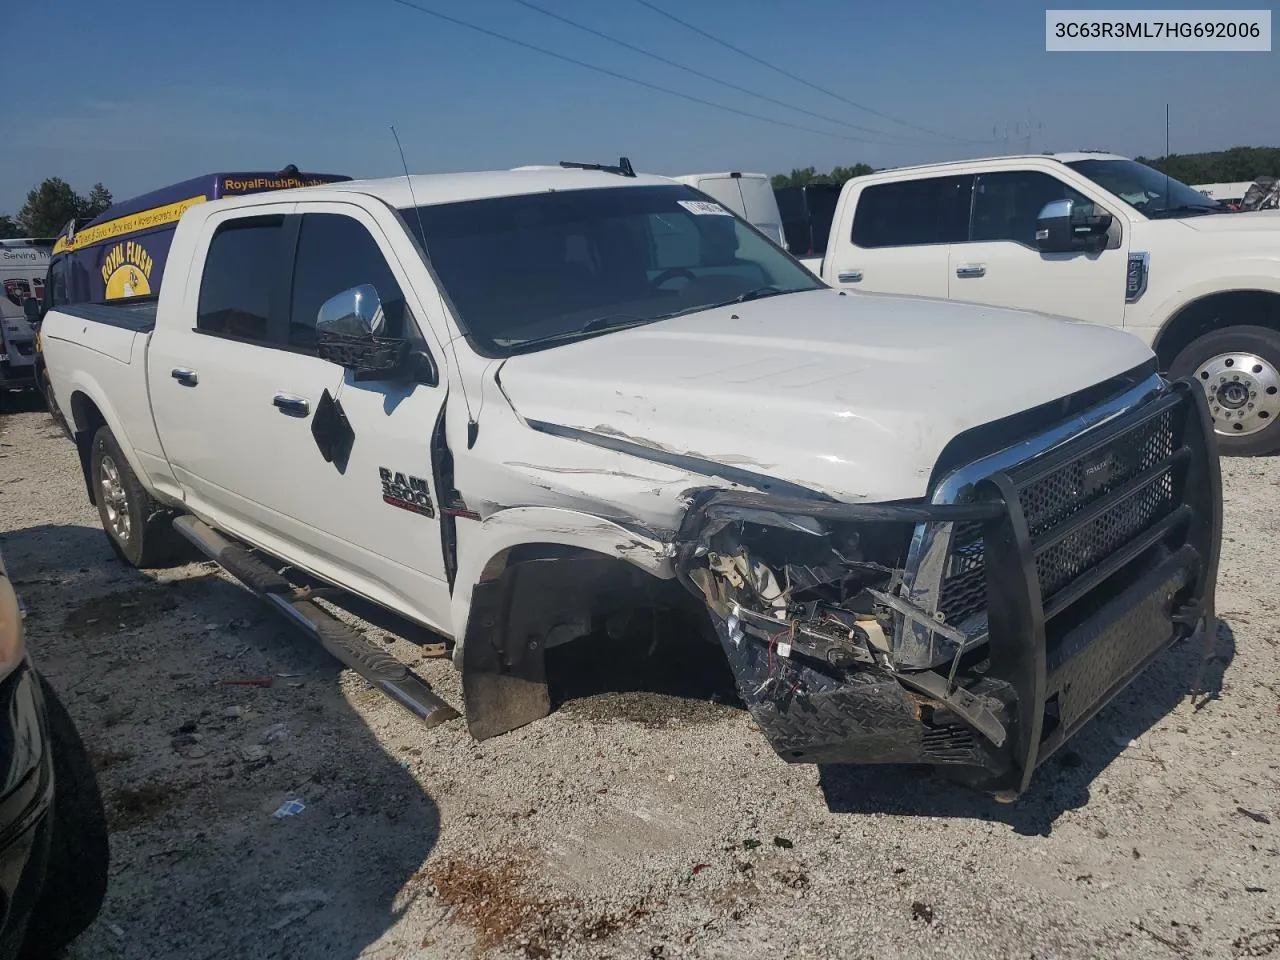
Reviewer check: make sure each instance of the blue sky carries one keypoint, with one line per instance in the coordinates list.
(155, 92)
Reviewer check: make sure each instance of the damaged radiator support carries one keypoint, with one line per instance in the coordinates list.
(1083, 582)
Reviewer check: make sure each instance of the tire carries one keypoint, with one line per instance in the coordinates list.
(1239, 369)
(46, 390)
(75, 881)
(139, 530)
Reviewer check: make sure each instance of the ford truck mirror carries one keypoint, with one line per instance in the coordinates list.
(349, 331)
(1063, 227)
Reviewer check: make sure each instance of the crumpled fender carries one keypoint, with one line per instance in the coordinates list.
(482, 549)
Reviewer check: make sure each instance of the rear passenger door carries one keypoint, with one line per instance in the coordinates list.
(227, 398)
(900, 234)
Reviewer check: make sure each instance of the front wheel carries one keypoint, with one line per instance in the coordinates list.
(1239, 370)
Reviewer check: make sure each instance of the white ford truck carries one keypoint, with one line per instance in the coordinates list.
(509, 405)
(1090, 236)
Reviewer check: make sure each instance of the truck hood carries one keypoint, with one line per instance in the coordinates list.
(851, 395)
(1236, 222)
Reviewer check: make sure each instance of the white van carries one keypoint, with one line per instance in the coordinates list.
(23, 265)
(749, 195)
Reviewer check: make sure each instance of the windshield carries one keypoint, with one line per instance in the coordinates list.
(1148, 191)
(531, 271)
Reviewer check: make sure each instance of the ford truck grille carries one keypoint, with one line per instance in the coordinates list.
(1139, 461)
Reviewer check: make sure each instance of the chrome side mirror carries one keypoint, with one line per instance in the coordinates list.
(1062, 227)
(350, 329)
(356, 312)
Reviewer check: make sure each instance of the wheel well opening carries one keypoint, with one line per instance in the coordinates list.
(1255, 308)
(86, 418)
(562, 627)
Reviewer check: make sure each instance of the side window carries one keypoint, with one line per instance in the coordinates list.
(913, 212)
(56, 293)
(239, 271)
(336, 253)
(1006, 205)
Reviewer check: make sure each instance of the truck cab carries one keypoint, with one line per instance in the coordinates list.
(1092, 237)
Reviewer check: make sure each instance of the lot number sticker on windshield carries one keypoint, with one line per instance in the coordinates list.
(704, 208)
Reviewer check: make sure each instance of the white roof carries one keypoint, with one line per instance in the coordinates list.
(425, 189)
(691, 177)
(1008, 158)
(1224, 191)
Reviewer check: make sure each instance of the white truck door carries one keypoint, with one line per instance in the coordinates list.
(221, 384)
(1001, 266)
(374, 505)
(897, 239)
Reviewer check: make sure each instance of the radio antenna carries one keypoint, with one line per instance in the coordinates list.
(473, 428)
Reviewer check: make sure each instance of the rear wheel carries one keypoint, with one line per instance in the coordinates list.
(75, 881)
(1239, 370)
(139, 529)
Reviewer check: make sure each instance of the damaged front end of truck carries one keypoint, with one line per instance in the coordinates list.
(980, 630)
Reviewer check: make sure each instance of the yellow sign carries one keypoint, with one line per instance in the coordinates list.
(134, 222)
(126, 271)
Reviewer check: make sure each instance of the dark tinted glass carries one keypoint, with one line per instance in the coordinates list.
(1006, 205)
(528, 271)
(235, 291)
(336, 253)
(911, 212)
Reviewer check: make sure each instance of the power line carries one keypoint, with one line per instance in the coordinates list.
(706, 76)
(792, 76)
(643, 83)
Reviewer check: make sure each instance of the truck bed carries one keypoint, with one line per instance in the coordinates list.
(137, 314)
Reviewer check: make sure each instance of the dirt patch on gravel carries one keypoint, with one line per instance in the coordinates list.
(122, 610)
(130, 806)
(648, 709)
(495, 899)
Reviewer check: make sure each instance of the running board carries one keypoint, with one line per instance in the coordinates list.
(374, 664)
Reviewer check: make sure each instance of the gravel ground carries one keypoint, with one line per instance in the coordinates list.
(630, 823)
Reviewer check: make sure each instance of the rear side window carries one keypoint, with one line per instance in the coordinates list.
(239, 271)
(336, 253)
(1007, 204)
(913, 212)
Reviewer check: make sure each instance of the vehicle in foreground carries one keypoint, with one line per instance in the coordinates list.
(23, 264)
(924, 532)
(53, 830)
(1090, 236)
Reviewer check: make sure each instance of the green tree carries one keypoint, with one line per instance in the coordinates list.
(49, 207)
(98, 200)
(841, 174)
(9, 229)
(1222, 166)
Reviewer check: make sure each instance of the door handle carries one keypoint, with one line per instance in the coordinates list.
(971, 270)
(287, 403)
(849, 276)
(184, 376)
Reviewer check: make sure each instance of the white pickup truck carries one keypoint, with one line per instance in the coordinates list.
(1093, 237)
(511, 405)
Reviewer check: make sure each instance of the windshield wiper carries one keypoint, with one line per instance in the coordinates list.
(759, 293)
(612, 321)
(1187, 208)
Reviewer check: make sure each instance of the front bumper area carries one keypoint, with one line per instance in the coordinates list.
(1080, 565)
(26, 798)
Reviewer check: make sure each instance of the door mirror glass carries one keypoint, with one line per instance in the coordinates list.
(31, 309)
(349, 331)
(1065, 227)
